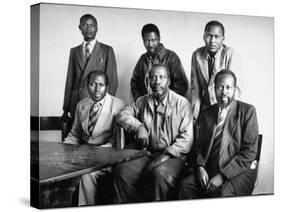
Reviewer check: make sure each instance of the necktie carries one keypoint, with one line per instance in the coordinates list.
(87, 50)
(211, 61)
(220, 122)
(93, 116)
(214, 157)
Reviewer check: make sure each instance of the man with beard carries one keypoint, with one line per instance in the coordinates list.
(206, 62)
(226, 146)
(94, 124)
(157, 54)
(84, 58)
(162, 123)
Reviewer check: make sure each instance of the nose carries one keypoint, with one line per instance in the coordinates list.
(97, 87)
(150, 43)
(224, 90)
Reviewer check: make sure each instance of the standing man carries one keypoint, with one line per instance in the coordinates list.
(162, 123)
(94, 124)
(226, 146)
(206, 62)
(157, 54)
(88, 56)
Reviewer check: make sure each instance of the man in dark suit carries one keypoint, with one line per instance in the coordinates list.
(84, 58)
(226, 146)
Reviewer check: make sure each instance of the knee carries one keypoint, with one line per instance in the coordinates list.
(227, 190)
(162, 173)
(119, 171)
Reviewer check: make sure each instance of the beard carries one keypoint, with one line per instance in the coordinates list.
(225, 101)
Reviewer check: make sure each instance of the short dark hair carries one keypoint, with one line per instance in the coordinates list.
(225, 72)
(150, 28)
(87, 16)
(160, 65)
(97, 73)
(214, 23)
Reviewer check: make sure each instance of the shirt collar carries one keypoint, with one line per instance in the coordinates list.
(208, 56)
(101, 102)
(160, 52)
(92, 43)
(226, 108)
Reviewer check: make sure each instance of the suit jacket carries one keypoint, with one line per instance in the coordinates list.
(202, 85)
(104, 132)
(102, 58)
(241, 134)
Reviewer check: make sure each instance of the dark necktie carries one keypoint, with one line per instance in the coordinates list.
(211, 61)
(87, 50)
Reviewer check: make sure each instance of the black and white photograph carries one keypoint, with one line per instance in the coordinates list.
(141, 105)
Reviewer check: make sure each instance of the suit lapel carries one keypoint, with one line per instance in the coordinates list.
(80, 56)
(104, 115)
(84, 114)
(229, 127)
(92, 60)
(210, 130)
(205, 71)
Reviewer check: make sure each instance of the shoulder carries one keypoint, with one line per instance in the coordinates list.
(142, 100)
(228, 50)
(116, 100)
(170, 53)
(104, 46)
(180, 101)
(83, 102)
(75, 48)
(243, 106)
(199, 51)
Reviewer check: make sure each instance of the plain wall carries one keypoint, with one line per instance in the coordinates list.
(251, 37)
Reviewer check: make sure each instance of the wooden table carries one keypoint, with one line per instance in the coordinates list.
(56, 167)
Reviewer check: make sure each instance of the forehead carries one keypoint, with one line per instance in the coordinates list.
(214, 29)
(225, 79)
(150, 35)
(97, 78)
(88, 20)
(159, 70)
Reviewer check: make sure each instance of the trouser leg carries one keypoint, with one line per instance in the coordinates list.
(189, 188)
(125, 179)
(165, 179)
(88, 187)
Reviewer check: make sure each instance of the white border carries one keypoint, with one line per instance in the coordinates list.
(15, 36)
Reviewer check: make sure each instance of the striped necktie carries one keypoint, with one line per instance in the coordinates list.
(220, 122)
(87, 50)
(214, 157)
(93, 116)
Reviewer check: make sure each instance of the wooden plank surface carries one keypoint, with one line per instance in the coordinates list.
(58, 161)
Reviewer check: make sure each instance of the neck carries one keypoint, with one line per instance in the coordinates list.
(161, 97)
(89, 39)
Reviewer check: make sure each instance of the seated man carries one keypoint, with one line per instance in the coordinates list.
(94, 125)
(226, 146)
(162, 124)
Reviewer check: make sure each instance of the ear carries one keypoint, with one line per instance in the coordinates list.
(169, 82)
(79, 27)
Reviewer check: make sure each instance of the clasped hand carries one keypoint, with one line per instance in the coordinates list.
(142, 136)
(206, 184)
